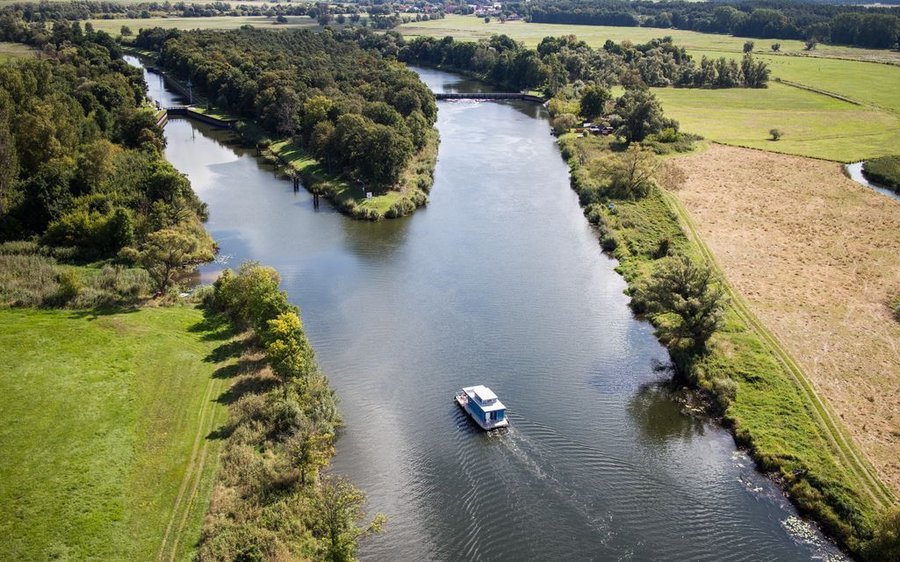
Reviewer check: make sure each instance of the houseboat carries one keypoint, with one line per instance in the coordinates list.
(483, 406)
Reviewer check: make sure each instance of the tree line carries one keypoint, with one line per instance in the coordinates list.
(271, 500)
(559, 61)
(82, 157)
(357, 111)
(873, 27)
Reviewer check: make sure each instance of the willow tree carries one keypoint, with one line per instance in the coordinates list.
(689, 302)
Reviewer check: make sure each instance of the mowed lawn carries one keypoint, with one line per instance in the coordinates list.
(814, 124)
(104, 425)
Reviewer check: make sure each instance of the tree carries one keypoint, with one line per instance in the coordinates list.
(885, 543)
(281, 19)
(810, 44)
(776, 47)
(631, 173)
(691, 301)
(339, 508)
(125, 31)
(776, 134)
(748, 46)
(290, 354)
(170, 251)
(563, 122)
(309, 449)
(593, 101)
(641, 115)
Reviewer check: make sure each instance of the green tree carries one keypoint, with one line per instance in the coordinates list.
(563, 122)
(125, 31)
(170, 251)
(748, 46)
(776, 47)
(593, 101)
(641, 115)
(310, 449)
(339, 509)
(885, 543)
(631, 173)
(689, 298)
(290, 354)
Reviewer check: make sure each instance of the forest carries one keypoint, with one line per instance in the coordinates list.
(559, 61)
(81, 152)
(358, 112)
(874, 27)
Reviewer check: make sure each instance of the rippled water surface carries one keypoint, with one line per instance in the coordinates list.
(498, 281)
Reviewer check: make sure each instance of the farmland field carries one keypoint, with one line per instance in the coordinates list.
(814, 255)
(104, 419)
(114, 26)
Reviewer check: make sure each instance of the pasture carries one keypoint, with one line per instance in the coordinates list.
(105, 420)
(114, 26)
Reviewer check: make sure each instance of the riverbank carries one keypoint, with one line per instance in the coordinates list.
(760, 392)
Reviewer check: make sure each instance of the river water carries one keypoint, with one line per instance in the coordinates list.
(499, 281)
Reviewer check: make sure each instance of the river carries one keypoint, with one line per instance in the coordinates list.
(501, 281)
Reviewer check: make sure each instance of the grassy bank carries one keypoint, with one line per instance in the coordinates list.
(106, 423)
(884, 170)
(760, 391)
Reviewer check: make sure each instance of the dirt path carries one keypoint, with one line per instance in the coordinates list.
(816, 257)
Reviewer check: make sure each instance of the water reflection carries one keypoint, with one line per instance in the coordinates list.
(660, 416)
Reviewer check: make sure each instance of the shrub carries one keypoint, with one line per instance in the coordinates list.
(775, 134)
(69, 285)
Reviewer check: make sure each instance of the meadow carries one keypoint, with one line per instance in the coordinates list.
(806, 107)
(114, 26)
(106, 419)
(10, 51)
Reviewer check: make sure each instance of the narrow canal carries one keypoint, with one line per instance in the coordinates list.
(498, 281)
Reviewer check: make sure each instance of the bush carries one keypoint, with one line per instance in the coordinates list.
(775, 134)
(69, 285)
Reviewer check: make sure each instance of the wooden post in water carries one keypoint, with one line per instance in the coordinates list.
(315, 200)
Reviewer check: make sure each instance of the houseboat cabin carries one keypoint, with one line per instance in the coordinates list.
(483, 406)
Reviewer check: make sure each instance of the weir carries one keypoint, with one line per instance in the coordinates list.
(487, 96)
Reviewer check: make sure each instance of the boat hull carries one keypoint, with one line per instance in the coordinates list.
(463, 403)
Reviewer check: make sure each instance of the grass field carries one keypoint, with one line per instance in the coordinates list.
(105, 418)
(114, 26)
(10, 51)
(815, 124)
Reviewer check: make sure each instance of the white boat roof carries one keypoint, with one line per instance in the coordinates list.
(484, 394)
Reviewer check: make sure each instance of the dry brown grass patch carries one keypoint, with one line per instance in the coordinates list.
(817, 256)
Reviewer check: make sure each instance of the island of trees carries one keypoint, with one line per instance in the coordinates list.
(365, 117)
